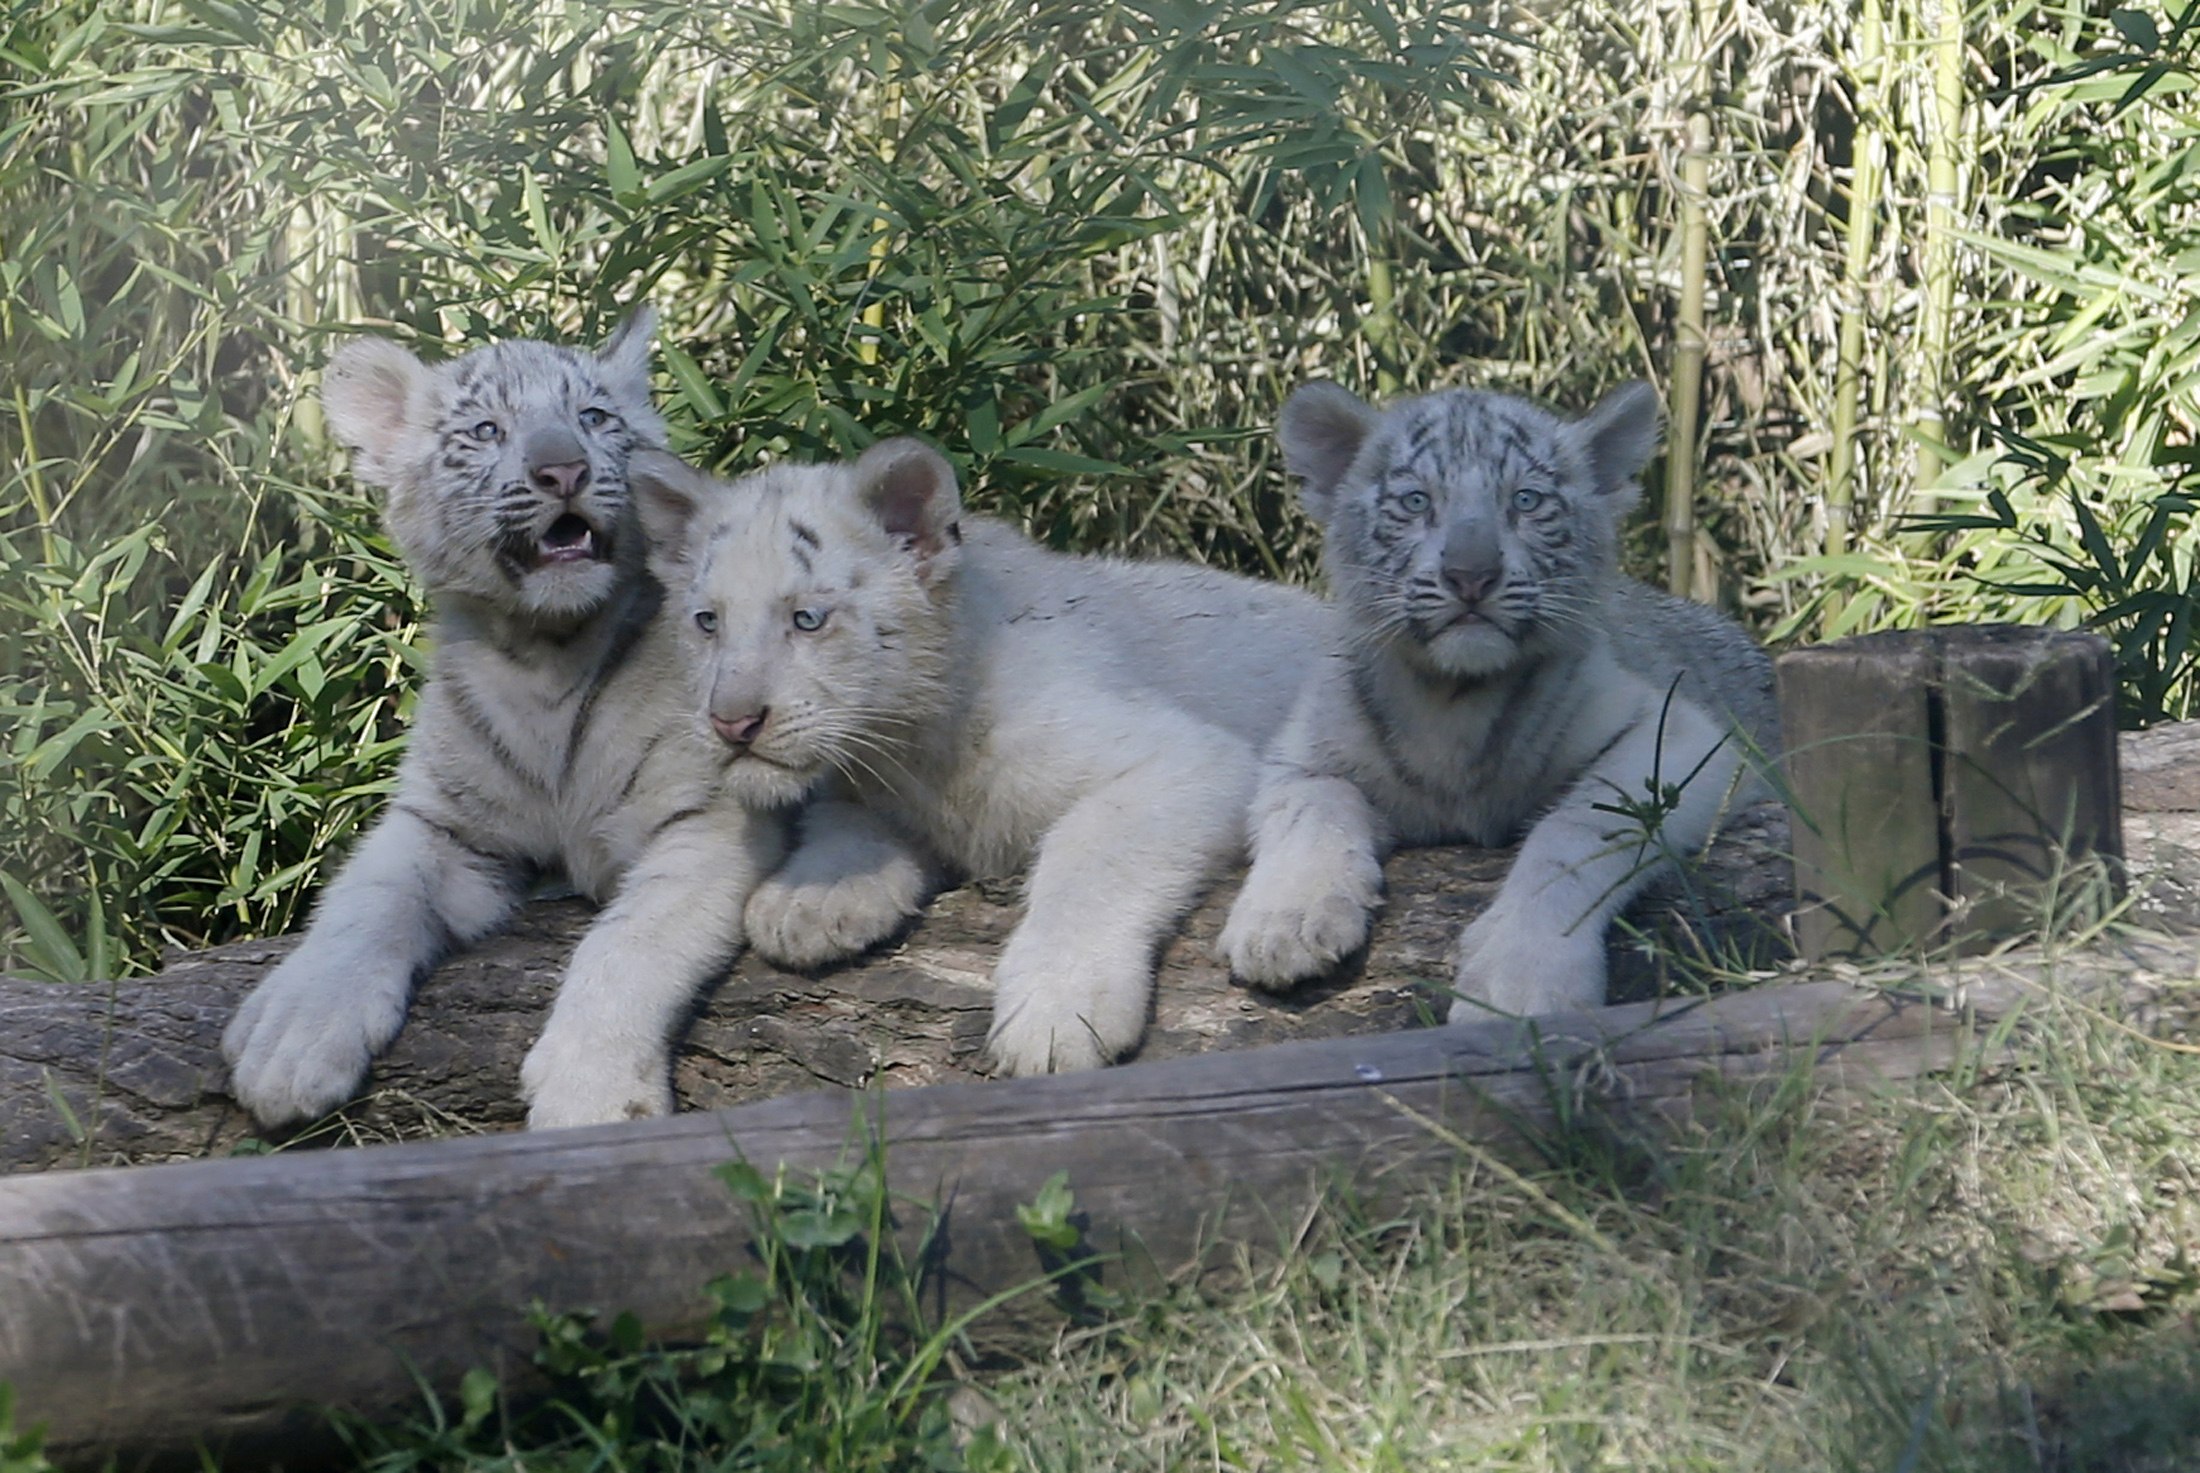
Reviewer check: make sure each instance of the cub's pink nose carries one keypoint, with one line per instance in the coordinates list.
(741, 730)
(565, 480)
(1472, 585)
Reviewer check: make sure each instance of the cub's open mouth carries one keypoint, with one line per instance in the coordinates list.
(569, 539)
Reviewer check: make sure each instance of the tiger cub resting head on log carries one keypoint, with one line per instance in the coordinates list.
(951, 684)
(555, 732)
(1504, 677)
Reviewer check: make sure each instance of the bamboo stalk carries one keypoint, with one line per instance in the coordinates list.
(874, 310)
(1866, 172)
(1942, 184)
(1381, 326)
(1689, 338)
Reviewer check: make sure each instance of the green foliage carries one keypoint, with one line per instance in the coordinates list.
(816, 1359)
(2081, 367)
(2137, 581)
(860, 220)
(1087, 245)
(20, 1452)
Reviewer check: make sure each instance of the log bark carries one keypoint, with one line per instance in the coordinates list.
(155, 1308)
(130, 1071)
(1949, 778)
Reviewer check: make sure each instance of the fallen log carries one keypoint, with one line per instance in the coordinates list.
(130, 1072)
(155, 1310)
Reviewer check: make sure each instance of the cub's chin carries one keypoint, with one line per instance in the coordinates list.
(568, 592)
(755, 782)
(1469, 650)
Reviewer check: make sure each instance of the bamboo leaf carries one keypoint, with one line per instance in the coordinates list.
(52, 952)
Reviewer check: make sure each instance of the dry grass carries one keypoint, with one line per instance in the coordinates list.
(1987, 1270)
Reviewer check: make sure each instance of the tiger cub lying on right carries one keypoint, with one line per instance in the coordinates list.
(1503, 675)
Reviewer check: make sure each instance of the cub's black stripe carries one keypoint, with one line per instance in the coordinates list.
(634, 774)
(1588, 767)
(803, 534)
(457, 839)
(678, 817)
(633, 623)
(462, 701)
(1371, 712)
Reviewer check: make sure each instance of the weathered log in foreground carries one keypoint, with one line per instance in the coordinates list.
(131, 1072)
(152, 1308)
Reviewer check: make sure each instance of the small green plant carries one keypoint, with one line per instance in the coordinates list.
(21, 1451)
(817, 1357)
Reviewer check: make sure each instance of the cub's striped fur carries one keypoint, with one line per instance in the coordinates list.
(555, 732)
(1504, 677)
(997, 706)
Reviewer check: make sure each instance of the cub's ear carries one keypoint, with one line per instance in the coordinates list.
(1322, 429)
(668, 493)
(625, 354)
(366, 391)
(910, 488)
(1619, 436)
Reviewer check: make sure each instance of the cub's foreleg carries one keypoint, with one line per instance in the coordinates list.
(414, 888)
(1112, 877)
(1317, 873)
(1539, 948)
(674, 924)
(849, 884)
(1316, 879)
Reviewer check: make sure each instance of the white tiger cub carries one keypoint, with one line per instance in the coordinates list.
(555, 731)
(1504, 675)
(996, 703)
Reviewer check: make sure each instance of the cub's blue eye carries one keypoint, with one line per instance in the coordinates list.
(593, 418)
(488, 432)
(706, 621)
(1527, 498)
(1413, 503)
(809, 621)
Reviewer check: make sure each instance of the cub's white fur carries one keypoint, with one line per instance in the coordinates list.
(556, 731)
(996, 703)
(1504, 676)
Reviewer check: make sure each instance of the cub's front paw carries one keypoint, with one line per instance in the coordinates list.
(1526, 964)
(1288, 926)
(802, 921)
(301, 1042)
(1076, 1015)
(570, 1078)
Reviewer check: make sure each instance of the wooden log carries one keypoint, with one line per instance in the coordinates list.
(1856, 719)
(1945, 781)
(155, 1309)
(130, 1072)
(2161, 769)
(2029, 774)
